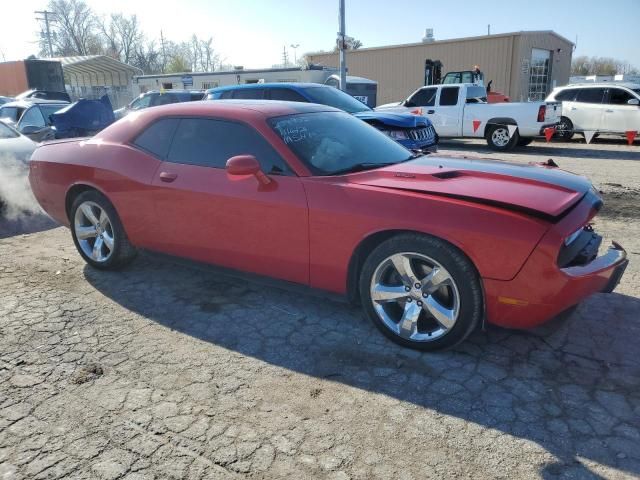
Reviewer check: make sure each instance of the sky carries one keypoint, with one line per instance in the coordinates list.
(253, 33)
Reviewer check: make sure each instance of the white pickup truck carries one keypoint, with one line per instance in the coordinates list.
(462, 111)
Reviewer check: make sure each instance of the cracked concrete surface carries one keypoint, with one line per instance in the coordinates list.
(166, 371)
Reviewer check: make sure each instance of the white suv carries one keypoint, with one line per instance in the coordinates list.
(598, 107)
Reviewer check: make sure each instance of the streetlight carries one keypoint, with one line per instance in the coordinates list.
(295, 52)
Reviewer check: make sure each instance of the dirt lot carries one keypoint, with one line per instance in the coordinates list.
(165, 371)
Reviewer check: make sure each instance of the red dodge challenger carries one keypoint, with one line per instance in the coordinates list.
(431, 247)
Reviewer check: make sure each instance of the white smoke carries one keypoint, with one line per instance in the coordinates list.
(16, 197)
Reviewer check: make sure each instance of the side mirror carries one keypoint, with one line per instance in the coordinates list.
(633, 101)
(242, 165)
(29, 129)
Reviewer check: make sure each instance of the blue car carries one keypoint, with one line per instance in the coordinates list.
(412, 131)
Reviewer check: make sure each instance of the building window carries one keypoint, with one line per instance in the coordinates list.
(207, 85)
(539, 74)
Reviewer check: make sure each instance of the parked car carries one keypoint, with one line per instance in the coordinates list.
(32, 117)
(44, 95)
(598, 107)
(83, 118)
(431, 247)
(462, 111)
(413, 132)
(14, 145)
(15, 151)
(155, 98)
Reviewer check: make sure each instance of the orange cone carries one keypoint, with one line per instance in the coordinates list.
(549, 132)
(631, 136)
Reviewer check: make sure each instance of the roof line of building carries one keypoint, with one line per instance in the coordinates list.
(449, 40)
(238, 72)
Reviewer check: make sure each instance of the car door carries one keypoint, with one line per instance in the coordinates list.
(207, 215)
(445, 116)
(618, 115)
(33, 125)
(587, 109)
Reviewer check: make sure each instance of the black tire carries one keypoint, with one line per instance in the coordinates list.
(513, 139)
(523, 142)
(565, 129)
(459, 267)
(123, 251)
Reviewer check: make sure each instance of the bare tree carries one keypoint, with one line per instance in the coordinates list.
(584, 65)
(74, 28)
(122, 36)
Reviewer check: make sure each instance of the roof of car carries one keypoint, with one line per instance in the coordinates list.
(294, 85)
(630, 85)
(173, 91)
(33, 101)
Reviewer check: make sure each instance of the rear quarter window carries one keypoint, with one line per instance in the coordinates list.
(156, 138)
(568, 95)
(449, 96)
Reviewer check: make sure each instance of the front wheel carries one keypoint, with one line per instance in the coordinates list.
(98, 233)
(498, 138)
(421, 292)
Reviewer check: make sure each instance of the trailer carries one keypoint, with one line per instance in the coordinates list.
(30, 74)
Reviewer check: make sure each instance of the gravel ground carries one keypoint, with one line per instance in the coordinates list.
(168, 371)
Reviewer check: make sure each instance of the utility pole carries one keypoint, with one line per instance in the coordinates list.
(341, 45)
(489, 29)
(46, 14)
(295, 52)
(164, 54)
(285, 56)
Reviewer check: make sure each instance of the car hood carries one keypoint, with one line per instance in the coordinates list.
(400, 120)
(537, 190)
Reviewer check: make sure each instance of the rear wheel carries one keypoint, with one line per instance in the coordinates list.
(98, 233)
(564, 131)
(421, 292)
(498, 138)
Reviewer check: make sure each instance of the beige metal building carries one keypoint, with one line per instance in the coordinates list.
(523, 65)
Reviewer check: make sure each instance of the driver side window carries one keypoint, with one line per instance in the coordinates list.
(32, 117)
(425, 97)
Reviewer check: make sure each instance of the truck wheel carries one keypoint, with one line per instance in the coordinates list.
(498, 138)
(565, 129)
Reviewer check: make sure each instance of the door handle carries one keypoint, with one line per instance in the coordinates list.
(168, 177)
(430, 112)
(573, 108)
(609, 111)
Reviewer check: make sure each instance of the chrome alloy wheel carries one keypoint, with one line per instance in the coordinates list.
(94, 231)
(500, 137)
(415, 297)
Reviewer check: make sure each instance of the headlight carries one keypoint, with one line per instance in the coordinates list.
(572, 238)
(396, 134)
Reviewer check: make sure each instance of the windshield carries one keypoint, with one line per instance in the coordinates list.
(332, 142)
(48, 110)
(336, 98)
(6, 132)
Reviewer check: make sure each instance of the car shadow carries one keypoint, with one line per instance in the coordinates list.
(572, 149)
(25, 223)
(572, 386)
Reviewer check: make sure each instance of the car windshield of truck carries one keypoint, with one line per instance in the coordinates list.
(331, 143)
(476, 94)
(336, 98)
(48, 110)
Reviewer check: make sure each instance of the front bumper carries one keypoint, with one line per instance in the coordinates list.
(538, 294)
